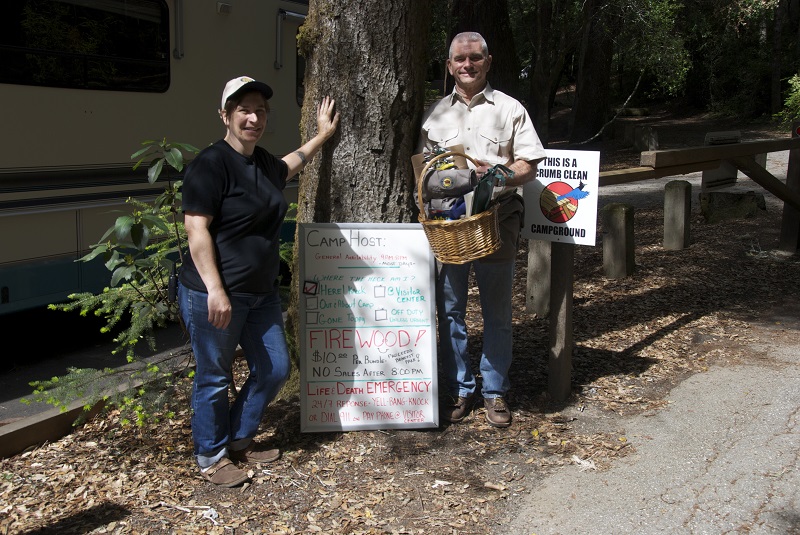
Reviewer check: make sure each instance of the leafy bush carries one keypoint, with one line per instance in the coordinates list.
(791, 106)
(143, 251)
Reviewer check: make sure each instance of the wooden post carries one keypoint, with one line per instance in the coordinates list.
(537, 300)
(559, 380)
(790, 221)
(677, 214)
(618, 240)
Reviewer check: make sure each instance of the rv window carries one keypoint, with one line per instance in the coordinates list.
(87, 44)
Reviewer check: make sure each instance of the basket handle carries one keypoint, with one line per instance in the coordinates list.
(425, 172)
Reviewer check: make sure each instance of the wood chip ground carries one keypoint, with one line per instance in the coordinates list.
(635, 338)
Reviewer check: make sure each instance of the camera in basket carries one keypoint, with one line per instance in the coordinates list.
(444, 186)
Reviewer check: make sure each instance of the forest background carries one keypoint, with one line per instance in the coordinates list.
(730, 57)
(577, 66)
(589, 60)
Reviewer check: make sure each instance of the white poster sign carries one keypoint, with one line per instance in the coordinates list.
(561, 204)
(367, 327)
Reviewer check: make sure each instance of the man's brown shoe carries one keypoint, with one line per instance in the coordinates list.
(254, 454)
(456, 409)
(497, 412)
(225, 474)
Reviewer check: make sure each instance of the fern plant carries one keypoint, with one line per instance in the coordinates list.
(142, 250)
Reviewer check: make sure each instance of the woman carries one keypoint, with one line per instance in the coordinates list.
(233, 210)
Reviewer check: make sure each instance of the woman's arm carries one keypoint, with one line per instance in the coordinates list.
(201, 245)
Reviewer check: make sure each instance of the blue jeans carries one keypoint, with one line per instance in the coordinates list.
(495, 282)
(257, 326)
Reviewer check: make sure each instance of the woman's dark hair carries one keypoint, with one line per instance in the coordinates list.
(234, 101)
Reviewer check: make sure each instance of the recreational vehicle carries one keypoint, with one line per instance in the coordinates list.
(84, 82)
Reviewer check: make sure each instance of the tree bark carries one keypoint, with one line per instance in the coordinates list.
(370, 56)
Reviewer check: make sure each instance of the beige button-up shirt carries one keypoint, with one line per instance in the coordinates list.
(493, 127)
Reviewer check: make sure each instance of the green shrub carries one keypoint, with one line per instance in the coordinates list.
(142, 250)
(791, 106)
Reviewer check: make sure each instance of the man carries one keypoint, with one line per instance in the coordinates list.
(494, 129)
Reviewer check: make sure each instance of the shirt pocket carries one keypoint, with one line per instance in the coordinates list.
(497, 144)
(442, 136)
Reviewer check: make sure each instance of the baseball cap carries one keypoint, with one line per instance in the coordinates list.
(241, 84)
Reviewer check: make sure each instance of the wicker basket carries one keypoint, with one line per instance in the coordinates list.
(462, 240)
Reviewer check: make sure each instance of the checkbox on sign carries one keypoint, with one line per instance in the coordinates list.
(310, 287)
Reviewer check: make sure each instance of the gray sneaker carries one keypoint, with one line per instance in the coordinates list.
(455, 410)
(497, 412)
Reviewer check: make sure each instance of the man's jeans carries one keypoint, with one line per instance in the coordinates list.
(257, 326)
(494, 284)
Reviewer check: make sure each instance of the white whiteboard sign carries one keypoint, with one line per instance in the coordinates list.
(561, 204)
(367, 327)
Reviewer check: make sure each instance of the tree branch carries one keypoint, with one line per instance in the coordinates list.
(624, 105)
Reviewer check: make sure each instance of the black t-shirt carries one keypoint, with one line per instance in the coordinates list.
(244, 197)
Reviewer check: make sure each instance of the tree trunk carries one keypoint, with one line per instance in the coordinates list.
(776, 98)
(593, 87)
(551, 46)
(541, 72)
(553, 32)
(490, 19)
(370, 56)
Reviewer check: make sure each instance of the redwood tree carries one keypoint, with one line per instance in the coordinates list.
(593, 89)
(370, 56)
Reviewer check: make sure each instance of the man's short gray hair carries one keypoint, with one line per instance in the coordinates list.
(470, 37)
